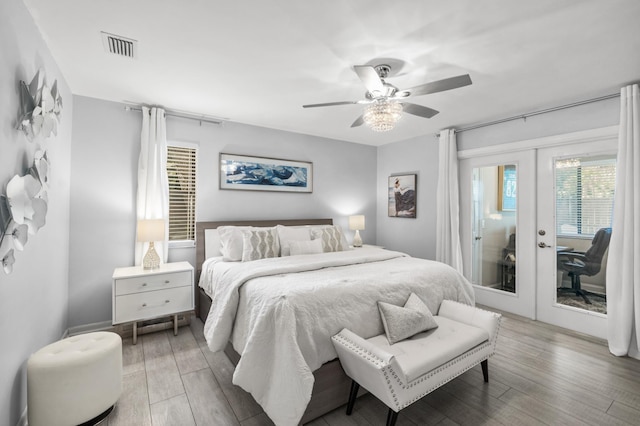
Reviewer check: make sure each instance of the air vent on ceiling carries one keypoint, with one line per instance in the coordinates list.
(119, 45)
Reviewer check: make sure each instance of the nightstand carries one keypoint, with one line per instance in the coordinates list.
(140, 294)
(365, 246)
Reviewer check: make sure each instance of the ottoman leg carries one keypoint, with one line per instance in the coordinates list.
(99, 418)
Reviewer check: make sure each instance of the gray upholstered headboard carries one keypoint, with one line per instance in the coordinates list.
(201, 242)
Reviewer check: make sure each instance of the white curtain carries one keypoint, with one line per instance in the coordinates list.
(623, 266)
(153, 186)
(447, 203)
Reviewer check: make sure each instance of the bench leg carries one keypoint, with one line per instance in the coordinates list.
(485, 370)
(352, 396)
(392, 416)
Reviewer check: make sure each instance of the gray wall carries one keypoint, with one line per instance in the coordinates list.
(420, 155)
(104, 160)
(589, 116)
(413, 236)
(106, 141)
(33, 299)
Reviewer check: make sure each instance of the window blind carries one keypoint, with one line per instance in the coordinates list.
(585, 187)
(181, 172)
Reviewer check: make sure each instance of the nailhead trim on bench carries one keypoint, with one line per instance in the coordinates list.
(388, 370)
(365, 354)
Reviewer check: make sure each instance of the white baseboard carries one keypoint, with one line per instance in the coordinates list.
(126, 329)
(88, 328)
(595, 288)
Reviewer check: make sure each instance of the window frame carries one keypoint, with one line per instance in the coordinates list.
(579, 205)
(194, 146)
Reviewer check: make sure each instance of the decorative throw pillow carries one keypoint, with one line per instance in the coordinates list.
(231, 242)
(403, 322)
(287, 234)
(343, 239)
(260, 244)
(305, 247)
(331, 237)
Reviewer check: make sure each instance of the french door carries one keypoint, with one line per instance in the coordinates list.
(497, 227)
(575, 200)
(528, 214)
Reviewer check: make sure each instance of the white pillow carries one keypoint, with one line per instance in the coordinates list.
(287, 235)
(231, 242)
(331, 237)
(260, 244)
(305, 247)
(212, 244)
(345, 243)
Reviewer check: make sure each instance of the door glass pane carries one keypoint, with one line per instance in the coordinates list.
(584, 187)
(494, 227)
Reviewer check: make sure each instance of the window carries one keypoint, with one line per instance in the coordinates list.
(584, 194)
(181, 173)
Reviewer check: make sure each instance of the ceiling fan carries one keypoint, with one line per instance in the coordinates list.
(384, 102)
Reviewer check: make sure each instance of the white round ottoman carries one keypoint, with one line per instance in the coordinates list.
(74, 380)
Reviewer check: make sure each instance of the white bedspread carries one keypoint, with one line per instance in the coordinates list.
(280, 314)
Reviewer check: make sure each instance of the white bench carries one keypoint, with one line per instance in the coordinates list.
(402, 373)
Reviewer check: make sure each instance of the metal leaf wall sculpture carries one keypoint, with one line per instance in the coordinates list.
(40, 108)
(23, 209)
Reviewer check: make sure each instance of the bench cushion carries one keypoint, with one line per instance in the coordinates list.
(427, 351)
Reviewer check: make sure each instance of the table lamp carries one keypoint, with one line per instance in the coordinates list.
(150, 230)
(356, 223)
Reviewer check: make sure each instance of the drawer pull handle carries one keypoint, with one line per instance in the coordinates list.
(144, 305)
(144, 284)
(166, 281)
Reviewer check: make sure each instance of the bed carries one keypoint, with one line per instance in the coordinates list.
(274, 317)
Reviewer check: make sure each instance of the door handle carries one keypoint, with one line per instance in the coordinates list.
(543, 245)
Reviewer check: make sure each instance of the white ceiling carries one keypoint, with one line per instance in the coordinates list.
(258, 62)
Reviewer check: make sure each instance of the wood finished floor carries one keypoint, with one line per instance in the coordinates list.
(540, 375)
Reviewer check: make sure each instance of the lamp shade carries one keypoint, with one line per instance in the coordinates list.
(150, 230)
(356, 223)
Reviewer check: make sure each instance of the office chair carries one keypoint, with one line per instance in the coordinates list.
(587, 263)
(508, 265)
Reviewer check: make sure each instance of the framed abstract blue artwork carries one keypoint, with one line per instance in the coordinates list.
(265, 174)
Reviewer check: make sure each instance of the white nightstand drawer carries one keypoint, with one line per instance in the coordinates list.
(134, 307)
(152, 282)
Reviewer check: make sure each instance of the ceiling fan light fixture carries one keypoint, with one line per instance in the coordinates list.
(382, 114)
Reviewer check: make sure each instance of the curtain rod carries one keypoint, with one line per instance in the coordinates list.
(180, 114)
(534, 113)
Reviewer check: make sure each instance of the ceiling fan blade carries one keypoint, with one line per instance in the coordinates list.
(330, 104)
(359, 122)
(369, 77)
(440, 85)
(419, 110)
